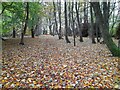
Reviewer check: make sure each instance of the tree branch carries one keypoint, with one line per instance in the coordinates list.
(4, 7)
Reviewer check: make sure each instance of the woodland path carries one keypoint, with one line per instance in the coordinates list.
(46, 61)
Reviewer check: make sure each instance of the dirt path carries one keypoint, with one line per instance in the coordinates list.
(48, 62)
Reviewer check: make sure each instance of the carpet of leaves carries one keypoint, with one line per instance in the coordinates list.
(48, 62)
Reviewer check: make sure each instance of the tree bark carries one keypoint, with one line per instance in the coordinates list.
(25, 27)
(50, 26)
(32, 32)
(14, 32)
(59, 12)
(92, 26)
(98, 33)
(104, 30)
(55, 17)
(69, 21)
(73, 24)
(85, 13)
(66, 23)
(79, 24)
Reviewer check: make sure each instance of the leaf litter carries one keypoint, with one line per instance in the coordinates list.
(46, 62)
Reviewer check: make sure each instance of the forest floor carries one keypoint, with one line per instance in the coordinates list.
(46, 61)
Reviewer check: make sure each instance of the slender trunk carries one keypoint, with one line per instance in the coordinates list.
(85, 15)
(59, 11)
(69, 22)
(79, 24)
(32, 32)
(98, 33)
(55, 17)
(25, 27)
(66, 24)
(104, 30)
(50, 26)
(92, 27)
(14, 32)
(54, 30)
(73, 24)
(69, 15)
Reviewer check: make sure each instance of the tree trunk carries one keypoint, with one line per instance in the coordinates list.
(14, 32)
(70, 21)
(106, 13)
(56, 25)
(92, 26)
(69, 15)
(32, 32)
(85, 12)
(66, 24)
(50, 26)
(25, 27)
(98, 33)
(104, 30)
(59, 12)
(73, 24)
(79, 24)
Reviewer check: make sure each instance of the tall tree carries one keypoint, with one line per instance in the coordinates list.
(92, 26)
(59, 13)
(66, 23)
(55, 17)
(25, 26)
(103, 24)
(69, 19)
(73, 24)
(85, 12)
(79, 23)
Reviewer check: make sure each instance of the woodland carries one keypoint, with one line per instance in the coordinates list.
(60, 44)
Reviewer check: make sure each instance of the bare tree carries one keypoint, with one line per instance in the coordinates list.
(79, 23)
(66, 23)
(59, 13)
(73, 24)
(92, 26)
(104, 26)
(55, 16)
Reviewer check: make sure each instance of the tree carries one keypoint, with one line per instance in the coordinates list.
(59, 13)
(92, 26)
(34, 16)
(73, 24)
(32, 32)
(12, 17)
(66, 23)
(79, 24)
(50, 24)
(55, 17)
(25, 26)
(14, 32)
(69, 21)
(4, 6)
(104, 28)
